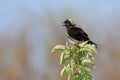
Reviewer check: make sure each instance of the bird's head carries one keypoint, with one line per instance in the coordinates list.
(68, 22)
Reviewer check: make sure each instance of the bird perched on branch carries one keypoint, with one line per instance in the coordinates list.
(76, 32)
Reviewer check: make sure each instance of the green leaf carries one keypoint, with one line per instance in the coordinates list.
(76, 77)
(87, 61)
(69, 76)
(93, 58)
(65, 58)
(90, 53)
(94, 48)
(61, 57)
(85, 69)
(71, 62)
(68, 70)
(87, 50)
(78, 58)
(67, 50)
(83, 44)
(57, 48)
(91, 47)
(62, 71)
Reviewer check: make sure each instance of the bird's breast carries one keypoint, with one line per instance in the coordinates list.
(71, 32)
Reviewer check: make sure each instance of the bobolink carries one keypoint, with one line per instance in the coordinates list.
(76, 33)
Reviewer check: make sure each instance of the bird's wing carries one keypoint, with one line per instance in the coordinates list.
(79, 31)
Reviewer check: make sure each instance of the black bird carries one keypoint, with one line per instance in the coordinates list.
(76, 33)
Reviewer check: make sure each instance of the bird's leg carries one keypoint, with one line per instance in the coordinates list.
(76, 43)
(79, 42)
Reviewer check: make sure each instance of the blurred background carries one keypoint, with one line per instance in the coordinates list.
(29, 29)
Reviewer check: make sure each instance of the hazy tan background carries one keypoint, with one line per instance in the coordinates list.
(29, 29)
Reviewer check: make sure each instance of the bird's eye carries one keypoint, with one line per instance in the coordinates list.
(67, 23)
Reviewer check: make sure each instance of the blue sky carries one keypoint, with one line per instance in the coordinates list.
(10, 9)
(100, 13)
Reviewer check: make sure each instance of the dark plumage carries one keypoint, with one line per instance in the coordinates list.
(76, 33)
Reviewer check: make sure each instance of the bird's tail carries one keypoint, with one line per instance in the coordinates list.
(91, 42)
